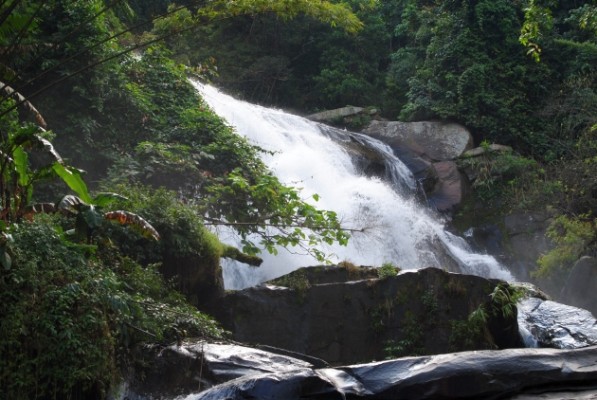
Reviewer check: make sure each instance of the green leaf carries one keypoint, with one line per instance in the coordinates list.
(92, 217)
(72, 177)
(106, 198)
(21, 162)
(70, 203)
(49, 147)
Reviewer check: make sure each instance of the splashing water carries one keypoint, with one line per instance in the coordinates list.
(309, 155)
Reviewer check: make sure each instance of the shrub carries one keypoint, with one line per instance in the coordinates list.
(572, 237)
(69, 317)
(387, 270)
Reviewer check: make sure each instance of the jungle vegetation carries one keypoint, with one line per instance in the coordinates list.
(111, 166)
(92, 108)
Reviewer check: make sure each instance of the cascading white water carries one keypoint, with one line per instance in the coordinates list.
(397, 229)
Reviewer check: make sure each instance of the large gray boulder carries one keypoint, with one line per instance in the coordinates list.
(551, 324)
(336, 114)
(431, 140)
(416, 312)
(429, 149)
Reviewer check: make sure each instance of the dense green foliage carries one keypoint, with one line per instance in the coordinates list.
(82, 286)
(140, 118)
(69, 317)
(300, 63)
(451, 60)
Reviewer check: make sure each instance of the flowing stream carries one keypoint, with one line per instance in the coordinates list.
(314, 157)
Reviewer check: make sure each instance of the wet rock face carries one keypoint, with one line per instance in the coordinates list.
(474, 375)
(420, 312)
(428, 148)
(449, 188)
(579, 289)
(203, 370)
(526, 241)
(193, 367)
(556, 325)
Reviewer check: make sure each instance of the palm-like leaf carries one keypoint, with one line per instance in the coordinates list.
(135, 221)
(69, 203)
(10, 92)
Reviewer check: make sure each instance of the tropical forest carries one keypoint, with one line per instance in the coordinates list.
(232, 199)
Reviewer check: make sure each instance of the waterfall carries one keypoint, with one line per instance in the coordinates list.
(311, 156)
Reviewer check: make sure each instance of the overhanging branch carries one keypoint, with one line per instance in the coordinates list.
(218, 222)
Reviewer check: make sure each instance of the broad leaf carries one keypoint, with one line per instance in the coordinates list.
(29, 137)
(92, 217)
(10, 92)
(21, 163)
(72, 177)
(70, 203)
(135, 221)
(104, 199)
(49, 147)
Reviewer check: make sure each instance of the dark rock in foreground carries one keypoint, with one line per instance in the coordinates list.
(475, 375)
(253, 374)
(178, 370)
(431, 302)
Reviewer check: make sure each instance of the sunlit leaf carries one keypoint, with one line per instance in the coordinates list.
(21, 163)
(135, 221)
(72, 177)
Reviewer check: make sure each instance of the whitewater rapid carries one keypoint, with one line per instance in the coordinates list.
(301, 154)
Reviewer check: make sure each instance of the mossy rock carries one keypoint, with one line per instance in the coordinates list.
(345, 272)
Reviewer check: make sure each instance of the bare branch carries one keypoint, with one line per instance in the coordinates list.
(218, 222)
